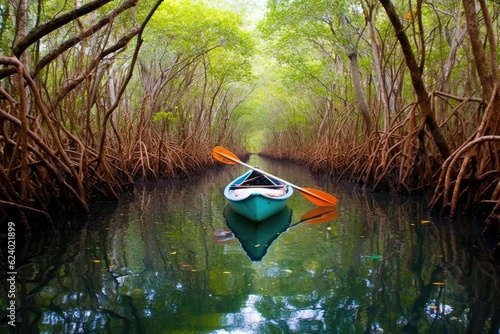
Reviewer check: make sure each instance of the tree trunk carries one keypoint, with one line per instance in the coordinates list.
(487, 68)
(417, 81)
(352, 53)
(478, 48)
(378, 64)
(356, 80)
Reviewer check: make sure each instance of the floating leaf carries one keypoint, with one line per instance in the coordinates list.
(96, 261)
(288, 271)
(173, 253)
(226, 272)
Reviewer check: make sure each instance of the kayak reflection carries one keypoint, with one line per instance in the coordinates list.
(256, 237)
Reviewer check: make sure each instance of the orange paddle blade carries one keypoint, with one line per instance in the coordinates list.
(319, 215)
(318, 197)
(225, 156)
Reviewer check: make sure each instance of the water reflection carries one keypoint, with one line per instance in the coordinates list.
(256, 237)
(150, 264)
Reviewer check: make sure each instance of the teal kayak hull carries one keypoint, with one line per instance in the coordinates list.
(257, 201)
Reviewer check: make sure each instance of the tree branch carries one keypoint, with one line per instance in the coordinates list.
(53, 54)
(46, 28)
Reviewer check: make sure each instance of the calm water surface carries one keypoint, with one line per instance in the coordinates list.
(165, 261)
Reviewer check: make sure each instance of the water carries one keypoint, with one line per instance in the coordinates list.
(164, 261)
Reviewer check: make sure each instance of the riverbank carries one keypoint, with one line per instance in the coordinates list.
(329, 166)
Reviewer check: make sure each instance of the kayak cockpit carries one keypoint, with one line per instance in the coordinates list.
(258, 184)
(257, 196)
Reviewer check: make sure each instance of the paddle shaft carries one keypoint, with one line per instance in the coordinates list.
(270, 175)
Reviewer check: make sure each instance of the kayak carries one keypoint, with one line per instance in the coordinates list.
(257, 196)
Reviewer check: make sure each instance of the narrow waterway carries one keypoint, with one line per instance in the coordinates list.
(164, 260)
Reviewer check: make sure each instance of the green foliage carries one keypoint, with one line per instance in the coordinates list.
(228, 65)
(192, 27)
(165, 117)
(6, 28)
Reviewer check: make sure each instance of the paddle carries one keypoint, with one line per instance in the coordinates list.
(315, 196)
